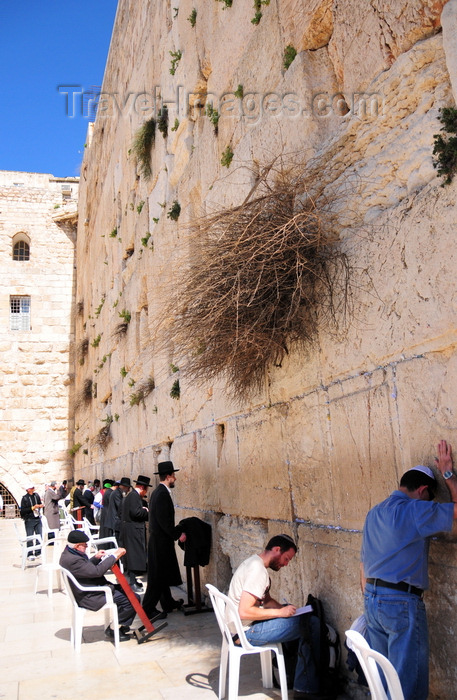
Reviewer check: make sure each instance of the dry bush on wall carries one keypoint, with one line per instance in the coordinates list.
(84, 397)
(261, 276)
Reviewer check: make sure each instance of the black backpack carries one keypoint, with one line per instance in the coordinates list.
(330, 652)
(329, 656)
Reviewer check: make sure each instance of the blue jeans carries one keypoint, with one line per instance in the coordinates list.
(397, 628)
(286, 629)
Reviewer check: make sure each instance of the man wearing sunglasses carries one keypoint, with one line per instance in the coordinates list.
(394, 569)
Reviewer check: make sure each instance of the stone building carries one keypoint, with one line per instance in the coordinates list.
(349, 93)
(38, 215)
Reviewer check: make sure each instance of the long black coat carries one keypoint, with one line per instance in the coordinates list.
(115, 509)
(88, 572)
(162, 561)
(106, 525)
(133, 533)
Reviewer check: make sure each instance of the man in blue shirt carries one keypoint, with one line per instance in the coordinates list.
(394, 569)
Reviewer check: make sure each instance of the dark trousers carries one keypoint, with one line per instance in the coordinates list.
(155, 591)
(126, 612)
(33, 527)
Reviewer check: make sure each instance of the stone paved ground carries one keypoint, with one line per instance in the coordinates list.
(36, 659)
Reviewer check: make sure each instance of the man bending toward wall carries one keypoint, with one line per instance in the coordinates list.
(394, 569)
(266, 621)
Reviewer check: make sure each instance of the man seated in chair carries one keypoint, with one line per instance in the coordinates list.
(90, 572)
(266, 621)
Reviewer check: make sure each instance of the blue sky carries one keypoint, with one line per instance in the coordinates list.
(45, 44)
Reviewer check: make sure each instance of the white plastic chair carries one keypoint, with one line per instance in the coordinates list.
(369, 660)
(47, 530)
(231, 653)
(92, 531)
(50, 554)
(110, 609)
(29, 543)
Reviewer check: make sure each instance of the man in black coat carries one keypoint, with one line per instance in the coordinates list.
(133, 533)
(106, 524)
(115, 505)
(80, 500)
(90, 572)
(163, 569)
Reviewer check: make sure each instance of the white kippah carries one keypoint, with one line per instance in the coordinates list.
(424, 470)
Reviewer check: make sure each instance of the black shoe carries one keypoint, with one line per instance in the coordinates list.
(123, 637)
(124, 629)
(136, 588)
(157, 615)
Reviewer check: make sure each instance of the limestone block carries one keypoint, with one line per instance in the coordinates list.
(367, 40)
(307, 26)
(264, 480)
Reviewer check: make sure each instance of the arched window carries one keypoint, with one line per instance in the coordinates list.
(21, 247)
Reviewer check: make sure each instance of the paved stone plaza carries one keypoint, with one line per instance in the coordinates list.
(37, 661)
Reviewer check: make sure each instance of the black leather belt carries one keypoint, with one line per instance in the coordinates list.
(400, 586)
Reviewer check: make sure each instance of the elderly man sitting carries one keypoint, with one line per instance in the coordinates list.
(90, 572)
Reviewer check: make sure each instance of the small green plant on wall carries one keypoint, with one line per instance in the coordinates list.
(239, 92)
(123, 372)
(214, 116)
(113, 233)
(140, 207)
(175, 125)
(73, 450)
(126, 315)
(145, 239)
(227, 157)
(289, 54)
(142, 146)
(174, 211)
(227, 3)
(257, 6)
(175, 392)
(175, 59)
(96, 341)
(100, 306)
(445, 147)
(193, 18)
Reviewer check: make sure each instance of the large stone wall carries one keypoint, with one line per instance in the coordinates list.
(35, 423)
(332, 430)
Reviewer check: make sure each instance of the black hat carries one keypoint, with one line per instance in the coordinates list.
(125, 481)
(143, 480)
(110, 482)
(166, 468)
(80, 482)
(77, 536)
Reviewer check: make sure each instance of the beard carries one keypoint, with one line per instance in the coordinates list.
(171, 486)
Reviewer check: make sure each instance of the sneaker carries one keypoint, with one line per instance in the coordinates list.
(31, 558)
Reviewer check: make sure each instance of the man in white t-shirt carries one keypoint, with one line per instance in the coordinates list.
(265, 620)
